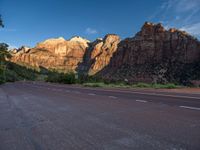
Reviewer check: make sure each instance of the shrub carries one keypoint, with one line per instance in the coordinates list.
(166, 86)
(94, 84)
(2, 79)
(20, 72)
(66, 78)
(142, 85)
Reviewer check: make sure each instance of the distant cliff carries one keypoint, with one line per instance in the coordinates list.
(156, 55)
(153, 55)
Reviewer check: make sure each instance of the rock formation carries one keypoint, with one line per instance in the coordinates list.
(99, 53)
(153, 55)
(54, 54)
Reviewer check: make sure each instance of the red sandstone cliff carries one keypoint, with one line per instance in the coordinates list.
(154, 54)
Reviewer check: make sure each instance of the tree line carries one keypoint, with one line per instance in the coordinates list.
(4, 54)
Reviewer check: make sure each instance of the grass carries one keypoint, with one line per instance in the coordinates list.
(138, 85)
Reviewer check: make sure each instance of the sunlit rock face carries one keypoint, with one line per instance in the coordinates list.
(50, 44)
(67, 55)
(101, 53)
(59, 54)
(154, 55)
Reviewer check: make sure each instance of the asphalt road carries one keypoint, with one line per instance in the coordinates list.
(42, 116)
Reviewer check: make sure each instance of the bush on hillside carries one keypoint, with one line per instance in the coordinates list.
(2, 78)
(66, 78)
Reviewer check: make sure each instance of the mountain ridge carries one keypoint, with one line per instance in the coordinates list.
(148, 56)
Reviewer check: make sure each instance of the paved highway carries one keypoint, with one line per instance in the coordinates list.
(43, 116)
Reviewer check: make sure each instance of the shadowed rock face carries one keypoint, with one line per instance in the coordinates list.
(153, 54)
(101, 53)
(154, 44)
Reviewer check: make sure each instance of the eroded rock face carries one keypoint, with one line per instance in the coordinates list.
(59, 54)
(154, 54)
(101, 53)
(67, 55)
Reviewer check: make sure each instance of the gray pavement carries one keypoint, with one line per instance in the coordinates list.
(43, 116)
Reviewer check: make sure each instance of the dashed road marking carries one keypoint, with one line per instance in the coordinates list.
(91, 94)
(67, 90)
(188, 107)
(112, 97)
(142, 101)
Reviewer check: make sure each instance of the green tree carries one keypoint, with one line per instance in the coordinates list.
(1, 22)
(4, 54)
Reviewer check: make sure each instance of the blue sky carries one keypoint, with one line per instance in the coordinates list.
(28, 22)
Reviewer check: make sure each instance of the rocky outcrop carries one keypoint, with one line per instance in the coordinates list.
(102, 52)
(54, 54)
(99, 53)
(154, 55)
(68, 55)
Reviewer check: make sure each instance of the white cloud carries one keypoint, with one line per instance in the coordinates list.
(7, 30)
(12, 47)
(168, 4)
(181, 5)
(91, 31)
(182, 14)
(193, 29)
(177, 18)
(187, 5)
(178, 8)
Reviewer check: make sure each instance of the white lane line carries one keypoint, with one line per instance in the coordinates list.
(67, 90)
(91, 94)
(188, 107)
(154, 94)
(142, 101)
(145, 93)
(112, 97)
(165, 95)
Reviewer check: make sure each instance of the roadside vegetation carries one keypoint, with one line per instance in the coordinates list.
(138, 85)
(4, 54)
(88, 81)
(66, 78)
